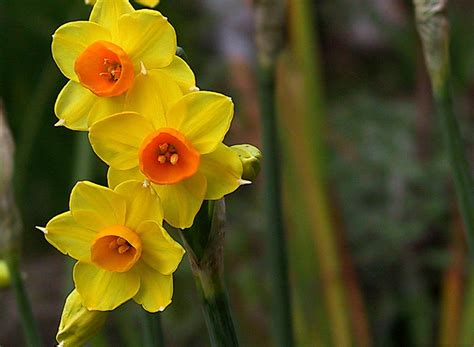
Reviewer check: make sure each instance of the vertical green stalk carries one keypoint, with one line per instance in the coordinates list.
(204, 243)
(152, 330)
(269, 25)
(10, 234)
(309, 160)
(433, 28)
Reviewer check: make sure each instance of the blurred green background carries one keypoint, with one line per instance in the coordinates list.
(399, 237)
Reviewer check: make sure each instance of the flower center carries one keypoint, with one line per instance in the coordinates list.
(116, 249)
(105, 69)
(166, 157)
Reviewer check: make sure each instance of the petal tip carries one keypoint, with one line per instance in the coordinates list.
(60, 123)
(244, 182)
(194, 89)
(42, 229)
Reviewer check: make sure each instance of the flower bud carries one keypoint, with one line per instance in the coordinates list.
(4, 274)
(250, 156)
(78, 325)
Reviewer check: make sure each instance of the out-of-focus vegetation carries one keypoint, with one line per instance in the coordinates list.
(398, 234)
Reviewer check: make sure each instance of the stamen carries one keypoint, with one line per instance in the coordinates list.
(113, 70)
(163, 148)
(121, 241)
(167, 153)
(122, 249)
(113, 245)
(174, 159)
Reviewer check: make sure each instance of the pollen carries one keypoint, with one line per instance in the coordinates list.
(113, 70)
(167, 153)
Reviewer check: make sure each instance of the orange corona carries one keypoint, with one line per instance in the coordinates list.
(116, 249)
(166, 157)
(105, 69)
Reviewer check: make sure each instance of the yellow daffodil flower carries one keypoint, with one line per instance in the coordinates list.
(173, 142)
(123, 252)
(148, 3)
(103, 56)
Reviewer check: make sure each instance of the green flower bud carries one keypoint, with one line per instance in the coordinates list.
(78, 325)
(4, 274)
(250, 156)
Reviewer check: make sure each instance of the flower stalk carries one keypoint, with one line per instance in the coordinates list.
(204, 244)
(10, 227)
(432, 26)
(269, 16)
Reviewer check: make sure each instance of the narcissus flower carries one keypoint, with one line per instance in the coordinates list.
(103, 56)
(123, 252)
(174, 143)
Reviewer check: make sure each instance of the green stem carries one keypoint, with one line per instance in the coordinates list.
(152, 330)
(311, 165)
(216, 308)
(282, 322)
(460, 168)
(24, 307)
(433, 28)
(204, 243)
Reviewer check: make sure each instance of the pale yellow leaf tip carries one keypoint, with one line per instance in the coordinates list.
(60, 123)
(42, 229)
(143, 69)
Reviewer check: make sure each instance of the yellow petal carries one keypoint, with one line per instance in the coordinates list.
(149, 3)
(223, 171)
(156, 290)
(181, 201)
(152, 95)
(104, 107)
(66, 235)
(102, 290)
(142, 203)
(117, 139)
(108, 12)
(115, 177)
(148, 38)
(203, 117)
(73, 106)
(182, 74)
(160, 251)
(96, 207)
(70, 40)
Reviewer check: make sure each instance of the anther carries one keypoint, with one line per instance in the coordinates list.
(162, 159)
(163, 148)
(172, 149)
(113, 245)
(120, 241)
(123, 248)
(174, 158)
